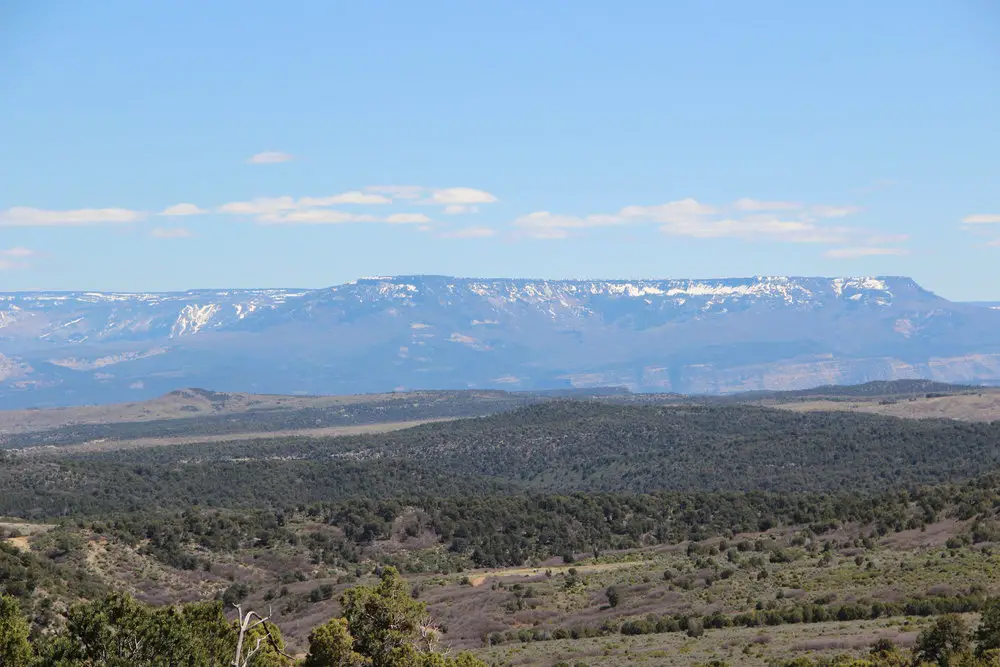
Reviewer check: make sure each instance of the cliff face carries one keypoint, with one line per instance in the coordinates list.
(376, 334)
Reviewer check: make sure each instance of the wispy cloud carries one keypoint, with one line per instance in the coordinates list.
(313, 210)
(319, 216)
(685, 217)
(821, 211)
(171, 233)
(775, 221)
(792, 231)
(313, 217)
(271, 205)
(398, 191)
(25, 216)
(353, 197)
(459, 196)
(546, 225)
(681, 211)
(270, 157)
(407, 218)
(864, 251)
(259, 206)
(469, 233)
(982, 219)
(746, 204)
(18, 251)
(459, 209)
(182, 209)
(15, 258)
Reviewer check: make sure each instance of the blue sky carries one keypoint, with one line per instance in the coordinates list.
(311, 143)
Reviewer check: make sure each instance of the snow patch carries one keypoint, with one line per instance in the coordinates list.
(193, 318)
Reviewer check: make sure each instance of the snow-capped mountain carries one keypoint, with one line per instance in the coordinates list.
(384, 333)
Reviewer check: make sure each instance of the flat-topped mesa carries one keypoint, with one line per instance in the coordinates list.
(97, 316)
(711, 335)
(757, 286)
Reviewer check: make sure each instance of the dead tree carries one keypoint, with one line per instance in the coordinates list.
(246, 624)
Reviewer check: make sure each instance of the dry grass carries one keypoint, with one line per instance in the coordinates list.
(736, 646)
(182, 404)
(983, 406)
(106, 445)
(22, 532)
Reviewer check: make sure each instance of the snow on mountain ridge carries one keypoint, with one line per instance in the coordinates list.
(789, 290)
(78, 317)
(374, 334)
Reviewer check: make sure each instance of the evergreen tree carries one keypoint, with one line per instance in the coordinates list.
(15, 651)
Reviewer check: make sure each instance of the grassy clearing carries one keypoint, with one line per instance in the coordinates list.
(983, 406)
(108, 445)
(736, 646)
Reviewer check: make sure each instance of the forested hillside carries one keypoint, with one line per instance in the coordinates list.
(693, 516)
(562, 446)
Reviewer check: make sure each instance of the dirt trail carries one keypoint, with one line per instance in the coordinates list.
(25, 532)
(480, 579)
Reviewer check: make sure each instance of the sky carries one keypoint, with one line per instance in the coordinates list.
(149, 146)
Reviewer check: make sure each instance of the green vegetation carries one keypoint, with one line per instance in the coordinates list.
(382, 627)
(596, 532)
(425, 405)
(556, 447)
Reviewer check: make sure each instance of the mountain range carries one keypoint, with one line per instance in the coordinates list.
(434, 332)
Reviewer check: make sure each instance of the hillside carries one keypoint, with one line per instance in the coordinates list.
(740, 520)
(434, 332)
(556, 446)
(192, 413)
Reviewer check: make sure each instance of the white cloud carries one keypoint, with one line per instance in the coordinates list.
(470, 233)
(450, 196)
(353, 197)
(398, 191)
(313, 217)
(982, 219)
(994, 244)
(886, 239)
(792, 231)
(312, 210)
(822, 211)
(864, 251)
(746, 204)
(171, 233)
(407, 218)
(321, 216)
(25, 216)
(691, 218)
(546, 225)
(548, 233)
(183, 209)
(271, 205)
(676, 211)
(17, 251)
(459, 209)
(270, 157)
(259, 206)
(14, 258)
